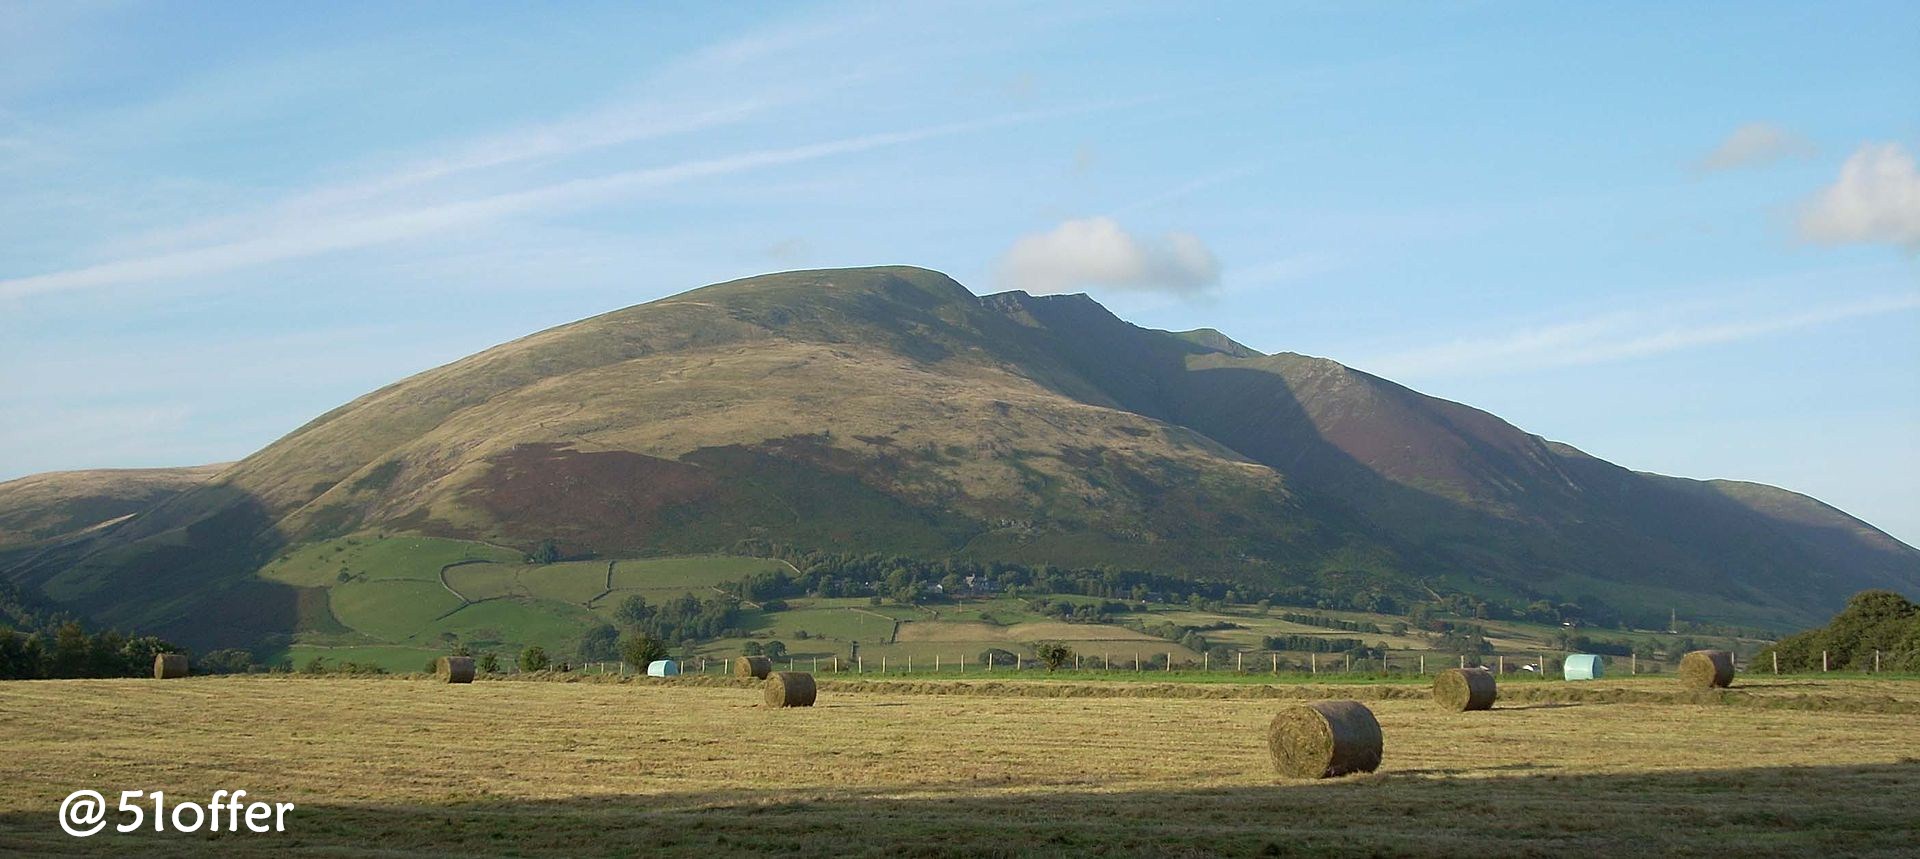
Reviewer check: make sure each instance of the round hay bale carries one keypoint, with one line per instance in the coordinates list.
(756, 667)
(167, 666)
(1463, 689)
(1324, 739)
(454, 669)
(790, 689)
(1707, 669)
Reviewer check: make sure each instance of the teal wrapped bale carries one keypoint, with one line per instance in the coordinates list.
(1583, 666)
(663, 668)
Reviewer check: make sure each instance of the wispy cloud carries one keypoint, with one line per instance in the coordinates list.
(1875, 200)
(1755, 144)
(364, 229)
(1617, 336)
(1099, 252)
(1184, 189)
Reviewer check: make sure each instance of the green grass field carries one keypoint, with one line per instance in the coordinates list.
(509, 624)
(373, 557)
(391, 611)
(391, 767)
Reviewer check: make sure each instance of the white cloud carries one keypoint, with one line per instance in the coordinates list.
(1098, 252)
(1614, 337)
(1875, 200)
(1755, 144)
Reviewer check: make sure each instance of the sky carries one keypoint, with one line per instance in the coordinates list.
(1682, 237)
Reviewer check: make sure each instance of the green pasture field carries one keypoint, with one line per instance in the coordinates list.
(374, 557)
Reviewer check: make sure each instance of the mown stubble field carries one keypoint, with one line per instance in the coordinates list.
(395, 767)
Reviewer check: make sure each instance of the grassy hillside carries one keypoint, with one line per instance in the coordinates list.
(891, 411)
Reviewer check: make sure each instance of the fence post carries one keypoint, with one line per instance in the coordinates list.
(1169, 660)
(936, 663)
(1463, 660)
(883, 665)
(1276, 662)
(1206, 661)
(1503, 664)
(1876, 660)
(1239, 662)
(1423, 665)
(836, 663)
(1136, 661)
(1823, 662)
(1313, 662)
(1633, 663)
(1349, 662)
(816, 665)
(1776, 662)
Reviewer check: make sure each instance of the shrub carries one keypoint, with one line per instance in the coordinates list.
(1053, 654)
(640, 651)
(996, 657)
(534, 658)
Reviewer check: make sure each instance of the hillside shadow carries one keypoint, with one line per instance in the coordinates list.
(1792, 811)
(182, 570)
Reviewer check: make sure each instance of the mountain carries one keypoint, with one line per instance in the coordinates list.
(891, 410)
(46, 506)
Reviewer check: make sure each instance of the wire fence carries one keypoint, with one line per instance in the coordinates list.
(1145, 661)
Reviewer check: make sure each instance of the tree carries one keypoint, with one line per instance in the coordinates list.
(641, 651)
(751, 648)
(231, 661)
(315, 665)
(547, 552)
(633, 611)
(1053, 654)
(489, 663)
(600, 642)
(996, 656)
(70, 646)
(775, 649)
(534, 658)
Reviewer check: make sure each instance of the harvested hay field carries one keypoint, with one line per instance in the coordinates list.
(676, 767)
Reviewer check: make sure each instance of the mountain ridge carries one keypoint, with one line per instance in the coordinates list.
(892, 410)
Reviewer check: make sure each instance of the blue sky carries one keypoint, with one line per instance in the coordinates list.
(1682, 237)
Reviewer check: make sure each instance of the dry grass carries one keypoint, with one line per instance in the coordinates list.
(678, 768)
